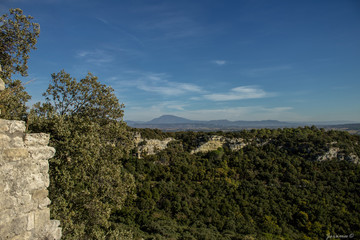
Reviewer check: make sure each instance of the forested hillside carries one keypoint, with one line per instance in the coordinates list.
(274, 190)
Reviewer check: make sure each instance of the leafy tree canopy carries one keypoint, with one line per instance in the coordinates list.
(18, 36)
(88, 181)
(87, 98)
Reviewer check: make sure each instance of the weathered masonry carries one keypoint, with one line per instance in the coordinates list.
(24, 178)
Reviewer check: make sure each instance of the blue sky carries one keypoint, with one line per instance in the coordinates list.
(206, 59)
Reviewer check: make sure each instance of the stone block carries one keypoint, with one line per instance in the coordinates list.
(41, 153)
(24, 236)
(4, 126)
(5, 231)
(37, 139)
(43, 166)
(30, 221)
(17, 126)
(4, 141)
(36, 181)
(6, 216)
(17, 142)
(40, 194)
(42, 217)
(7, 202)
(14, 227)
(15, 154)
(44, 203)
(27, 208)
(24, 199)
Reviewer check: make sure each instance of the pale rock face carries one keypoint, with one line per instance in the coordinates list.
(151, 146)
(24, 212)
(213, 144)
(235, 144)
(353, 158)
(335, 153)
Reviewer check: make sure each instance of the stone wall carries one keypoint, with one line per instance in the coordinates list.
(24, 178)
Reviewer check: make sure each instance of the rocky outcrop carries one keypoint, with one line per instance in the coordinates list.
(24, 178)
(337, 153)
(330, 154)
(215, 142)
(153, 146)
(149, 146)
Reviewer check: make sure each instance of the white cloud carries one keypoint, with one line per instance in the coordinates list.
(219, 62)
(168, 88)
(97, 56)
(158, 83)
(239, 93)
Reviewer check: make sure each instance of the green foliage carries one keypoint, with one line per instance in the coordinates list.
(18, 36)
(88, 181)
(275, 190)
(87, 98)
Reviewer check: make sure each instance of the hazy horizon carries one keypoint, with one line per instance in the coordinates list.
(206, 60)
(339, 121)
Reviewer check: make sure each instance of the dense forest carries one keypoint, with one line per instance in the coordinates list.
(276, 190)
(276, 186)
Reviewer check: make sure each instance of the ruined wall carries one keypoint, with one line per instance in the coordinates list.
(24, 178)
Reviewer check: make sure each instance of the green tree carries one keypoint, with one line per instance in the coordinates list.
(18, 36)
(87, 98)
(88, 181)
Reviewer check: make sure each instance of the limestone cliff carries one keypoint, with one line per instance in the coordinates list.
(337, 153)
(149, 146)
(215, 142)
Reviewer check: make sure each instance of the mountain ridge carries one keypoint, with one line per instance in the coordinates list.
(175, 123)
(179, 123)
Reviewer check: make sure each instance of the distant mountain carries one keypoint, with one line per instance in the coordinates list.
(175, 123)
(169, 119)
(170, 122)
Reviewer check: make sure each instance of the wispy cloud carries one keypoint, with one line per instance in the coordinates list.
(170, 88)
(239, 93)
(103, 20)
(159, 83)
(116, 27)
(97, 56)
(220, 62)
